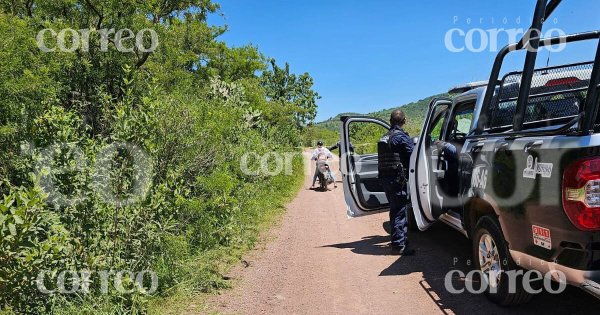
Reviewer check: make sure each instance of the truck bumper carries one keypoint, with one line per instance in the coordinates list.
(587, 280)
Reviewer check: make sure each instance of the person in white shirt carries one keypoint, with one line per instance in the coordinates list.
(320, 150)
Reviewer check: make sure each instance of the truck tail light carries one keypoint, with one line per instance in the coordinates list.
(581, 193)
(563, 81)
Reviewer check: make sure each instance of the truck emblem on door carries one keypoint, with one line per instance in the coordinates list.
(479, 178)
(534, 168)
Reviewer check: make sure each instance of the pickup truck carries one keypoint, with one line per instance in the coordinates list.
(524, 181)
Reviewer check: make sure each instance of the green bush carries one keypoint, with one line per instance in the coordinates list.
(116, 161)
(32, 239)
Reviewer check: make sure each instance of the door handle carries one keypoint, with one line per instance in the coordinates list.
(477, 146)
(501, 146)
(533, 144)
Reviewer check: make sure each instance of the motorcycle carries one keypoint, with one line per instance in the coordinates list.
(323, 174)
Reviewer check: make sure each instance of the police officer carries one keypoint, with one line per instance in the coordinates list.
(394, 149)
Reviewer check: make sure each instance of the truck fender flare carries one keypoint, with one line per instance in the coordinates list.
(475, 208)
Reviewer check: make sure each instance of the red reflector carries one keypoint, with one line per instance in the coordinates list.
(562, 81)
(580, 193)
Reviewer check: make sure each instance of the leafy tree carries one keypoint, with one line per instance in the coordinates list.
(285, 88)
(194, 107)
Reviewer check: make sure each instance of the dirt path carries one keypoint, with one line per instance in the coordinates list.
(318, 261)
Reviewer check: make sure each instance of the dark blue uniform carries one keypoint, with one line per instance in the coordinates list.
(397, 193)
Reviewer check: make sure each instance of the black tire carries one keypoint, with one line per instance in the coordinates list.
(489, 226)
(322, 182)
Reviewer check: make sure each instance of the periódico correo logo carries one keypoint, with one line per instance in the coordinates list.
(70, 40)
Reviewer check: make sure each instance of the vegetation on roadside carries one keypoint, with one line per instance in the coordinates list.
(131, 161)
(315, 133)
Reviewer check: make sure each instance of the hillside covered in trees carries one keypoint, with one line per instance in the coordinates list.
(118, 160)
(329, 129)
(415, 112)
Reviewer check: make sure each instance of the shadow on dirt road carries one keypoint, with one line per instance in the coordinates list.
(440, 250)
(318, 261)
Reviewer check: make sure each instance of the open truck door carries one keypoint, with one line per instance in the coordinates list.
(425, 168)
(363, 191)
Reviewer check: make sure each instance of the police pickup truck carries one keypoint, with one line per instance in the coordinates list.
(513, 164)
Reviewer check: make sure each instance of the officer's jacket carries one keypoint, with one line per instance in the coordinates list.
(401, 143)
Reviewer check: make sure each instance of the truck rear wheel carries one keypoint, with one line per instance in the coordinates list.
(492, 258)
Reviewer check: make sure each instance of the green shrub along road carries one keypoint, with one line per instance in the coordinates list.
(131, 161)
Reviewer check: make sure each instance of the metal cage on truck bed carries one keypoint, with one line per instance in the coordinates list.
(562, 99)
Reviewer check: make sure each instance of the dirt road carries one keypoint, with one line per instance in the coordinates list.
(318, 261)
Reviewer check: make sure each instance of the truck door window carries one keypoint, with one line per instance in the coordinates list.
(439, 122)
(461, 125)
(364, 137)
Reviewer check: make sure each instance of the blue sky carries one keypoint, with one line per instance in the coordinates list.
(370, 55)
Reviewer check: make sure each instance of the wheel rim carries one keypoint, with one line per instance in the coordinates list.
(489, 259)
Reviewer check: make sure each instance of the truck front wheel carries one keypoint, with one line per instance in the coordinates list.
(492, 258)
